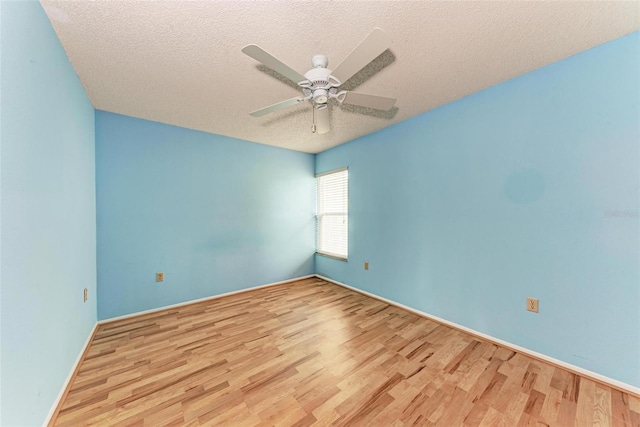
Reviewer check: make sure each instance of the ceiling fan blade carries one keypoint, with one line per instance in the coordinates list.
(322, 119)
(275, 107)
(272, 62)
(369, 101)
(370, 48)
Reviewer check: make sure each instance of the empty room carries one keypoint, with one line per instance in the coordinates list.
(292, 213)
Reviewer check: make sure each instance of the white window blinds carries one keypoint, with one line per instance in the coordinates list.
(333, 213)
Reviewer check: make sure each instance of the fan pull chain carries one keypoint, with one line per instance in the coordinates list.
(313, 126)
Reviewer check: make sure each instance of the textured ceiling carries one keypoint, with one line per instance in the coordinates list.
(181, 62)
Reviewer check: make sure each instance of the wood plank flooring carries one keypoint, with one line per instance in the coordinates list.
(313, 353)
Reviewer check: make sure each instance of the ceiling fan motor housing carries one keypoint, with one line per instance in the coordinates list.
(321, 81)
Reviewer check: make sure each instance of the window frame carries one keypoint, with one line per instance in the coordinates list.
(320, 215)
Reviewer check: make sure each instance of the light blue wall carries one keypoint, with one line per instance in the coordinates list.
(48, 215)
(466, 210)
(215, 214)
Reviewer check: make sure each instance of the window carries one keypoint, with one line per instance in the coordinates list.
(332, 219)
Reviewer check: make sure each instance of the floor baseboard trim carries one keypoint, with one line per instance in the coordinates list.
(64, 390)
(610, 382)
(181, 304)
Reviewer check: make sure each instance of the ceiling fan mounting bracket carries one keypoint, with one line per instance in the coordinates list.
(319, 61)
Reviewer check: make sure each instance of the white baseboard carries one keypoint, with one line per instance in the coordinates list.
(576, 369)
(52, 411)
(181, 304)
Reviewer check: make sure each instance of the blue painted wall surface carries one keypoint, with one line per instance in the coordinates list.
(528, 188)
(48, 215)
(215, 214)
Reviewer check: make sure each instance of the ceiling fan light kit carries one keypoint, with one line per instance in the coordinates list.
(321, 84)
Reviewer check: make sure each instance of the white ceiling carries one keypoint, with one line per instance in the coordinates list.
(180, 62)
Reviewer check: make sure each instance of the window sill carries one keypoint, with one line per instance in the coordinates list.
(332, 256)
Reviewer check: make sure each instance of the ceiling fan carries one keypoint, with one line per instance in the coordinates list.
(321, 84)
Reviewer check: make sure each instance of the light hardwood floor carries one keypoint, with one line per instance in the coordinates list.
(313, 353)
